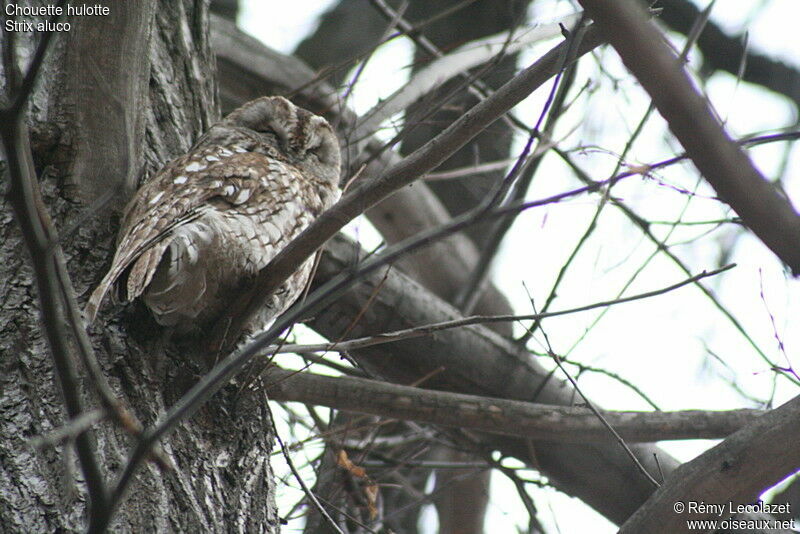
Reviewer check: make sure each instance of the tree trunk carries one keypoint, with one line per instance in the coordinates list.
(119, 96)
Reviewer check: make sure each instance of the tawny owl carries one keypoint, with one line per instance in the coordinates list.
(209, 220)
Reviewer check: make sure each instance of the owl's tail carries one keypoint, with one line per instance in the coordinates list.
(138, 277)
(90, 311)
(177, 286)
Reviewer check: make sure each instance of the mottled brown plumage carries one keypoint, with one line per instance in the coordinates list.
(209, 220)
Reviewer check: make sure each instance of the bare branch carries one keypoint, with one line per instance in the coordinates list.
(499, 416)
(609, 427)
(641, 46)
(737, 470)
(389, 337)
(480, 362)
(644, 225)
(727, 53)
(70, 430)
(313, 498)
(456, 62)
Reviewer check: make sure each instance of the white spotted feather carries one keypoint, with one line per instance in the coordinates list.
(210, 220)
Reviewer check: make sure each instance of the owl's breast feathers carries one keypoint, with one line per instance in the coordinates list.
(204, 226)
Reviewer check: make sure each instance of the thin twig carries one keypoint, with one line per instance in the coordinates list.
(599, 416)
(644, 226)
(455, 63)
(722, 163)
(69, 430)
(605, 422)
(424, 330)
(614, 376)
(522, 491)
(290, 463)
(473, 287)
(620, 161)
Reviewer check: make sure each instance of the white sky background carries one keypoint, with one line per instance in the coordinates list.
(662, 345)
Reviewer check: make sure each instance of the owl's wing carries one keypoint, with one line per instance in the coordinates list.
(176, 196)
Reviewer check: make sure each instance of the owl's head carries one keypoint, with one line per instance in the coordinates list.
(306, 140)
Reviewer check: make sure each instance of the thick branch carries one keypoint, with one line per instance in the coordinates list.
(737, 470)
(499, 416)
(477, 361)
(725, 52)
(643, 50)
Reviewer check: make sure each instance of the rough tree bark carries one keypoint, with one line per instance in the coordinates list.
(118, 97)
(97, 126)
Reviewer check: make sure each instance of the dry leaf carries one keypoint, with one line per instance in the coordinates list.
(371, 491)
(344, 461)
